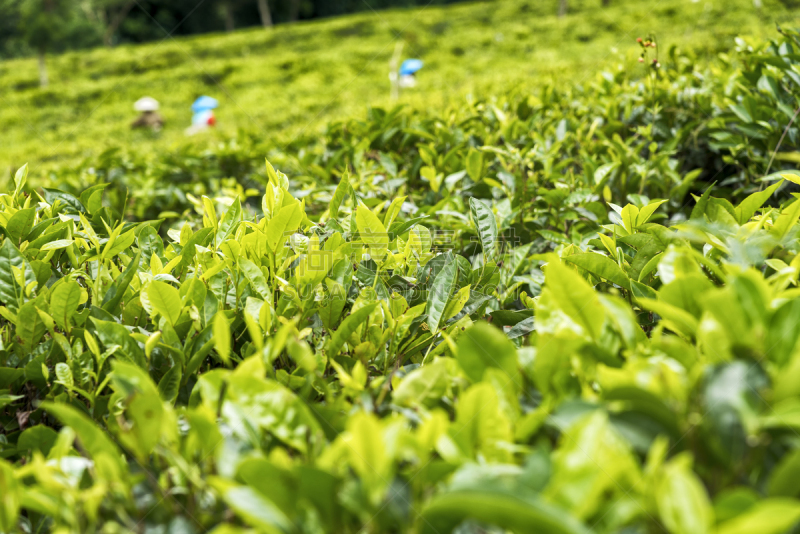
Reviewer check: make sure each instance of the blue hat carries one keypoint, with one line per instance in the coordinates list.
(410, 66)
(204, 103)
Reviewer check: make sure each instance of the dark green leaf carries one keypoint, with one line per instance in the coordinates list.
(439, 294)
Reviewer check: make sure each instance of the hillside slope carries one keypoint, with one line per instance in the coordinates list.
(293, 78)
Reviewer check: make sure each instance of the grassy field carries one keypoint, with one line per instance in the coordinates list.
(294, 78)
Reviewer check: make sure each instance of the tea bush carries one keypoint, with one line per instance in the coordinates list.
(535, 313)
(295, 78)
(260, 369)
(662, 132)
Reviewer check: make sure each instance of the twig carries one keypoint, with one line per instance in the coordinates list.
(780, 141)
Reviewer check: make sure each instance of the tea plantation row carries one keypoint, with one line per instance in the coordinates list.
(656, 132)
(296, 78)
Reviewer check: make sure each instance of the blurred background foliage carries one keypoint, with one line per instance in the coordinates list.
(112, 22)
(289, 81)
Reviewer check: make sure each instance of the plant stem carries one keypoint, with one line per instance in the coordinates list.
(780, 141)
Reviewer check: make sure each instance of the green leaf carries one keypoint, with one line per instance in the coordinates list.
(349, 325)
(675, 318)
(20, 177)
(792, 177)
(474, 164)
(372, 233)
(575, 297)
(434, 179)
(600, 266)
(333, 305)
(222, 336)
(769, 516)
(368, 454)
(269, 406)
(456, 303)
(787, 219)
(8, 375)
(339, 195)
(116, 290)
(272, 176)
(699, 210)
(143, 409)
(20, 224)
(392, 211)
(630, 214)
(272, 481)
(747, 207)
(120, 244)
(108, 458)
(731, 393)
(282, 224)
(604, 172)
(486, 224)
(37, 438)
(64, 375)
(166, 300)
(592, 460)
(515, 511)
(254, 509)
(256, 278)
(784, 477)
(483, 346)
(650, 266)
(209, 213)
(733, 502)
(57, 244)
(41, 273)
(742, 112)
(5, 399)
(388, 163)
(193, 292)
(647, 211)
(424, 385)
(115, 336)
(200, 237)
(399, 228)
(229, 221)
(10, 496)
(64, 302)
(439, 293)
(112, 239)
(170, 384)
(92, 198)
(10, 258)
(682, 501)
(30, 327)
(73, 204)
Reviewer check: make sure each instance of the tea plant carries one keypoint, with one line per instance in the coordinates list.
(619, 138)
(349, 366)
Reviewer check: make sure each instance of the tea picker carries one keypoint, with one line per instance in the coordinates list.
(202, 114)
(405, 76)
(407, 72)
(149, 118)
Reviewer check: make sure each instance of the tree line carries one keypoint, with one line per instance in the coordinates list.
(30, 27)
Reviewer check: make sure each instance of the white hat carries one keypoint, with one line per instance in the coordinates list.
(146, 104)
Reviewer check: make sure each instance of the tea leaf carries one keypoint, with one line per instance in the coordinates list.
(166, 300)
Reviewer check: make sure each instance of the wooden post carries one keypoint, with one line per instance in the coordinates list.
(43, 80)
(394, 65)
(263, 10)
